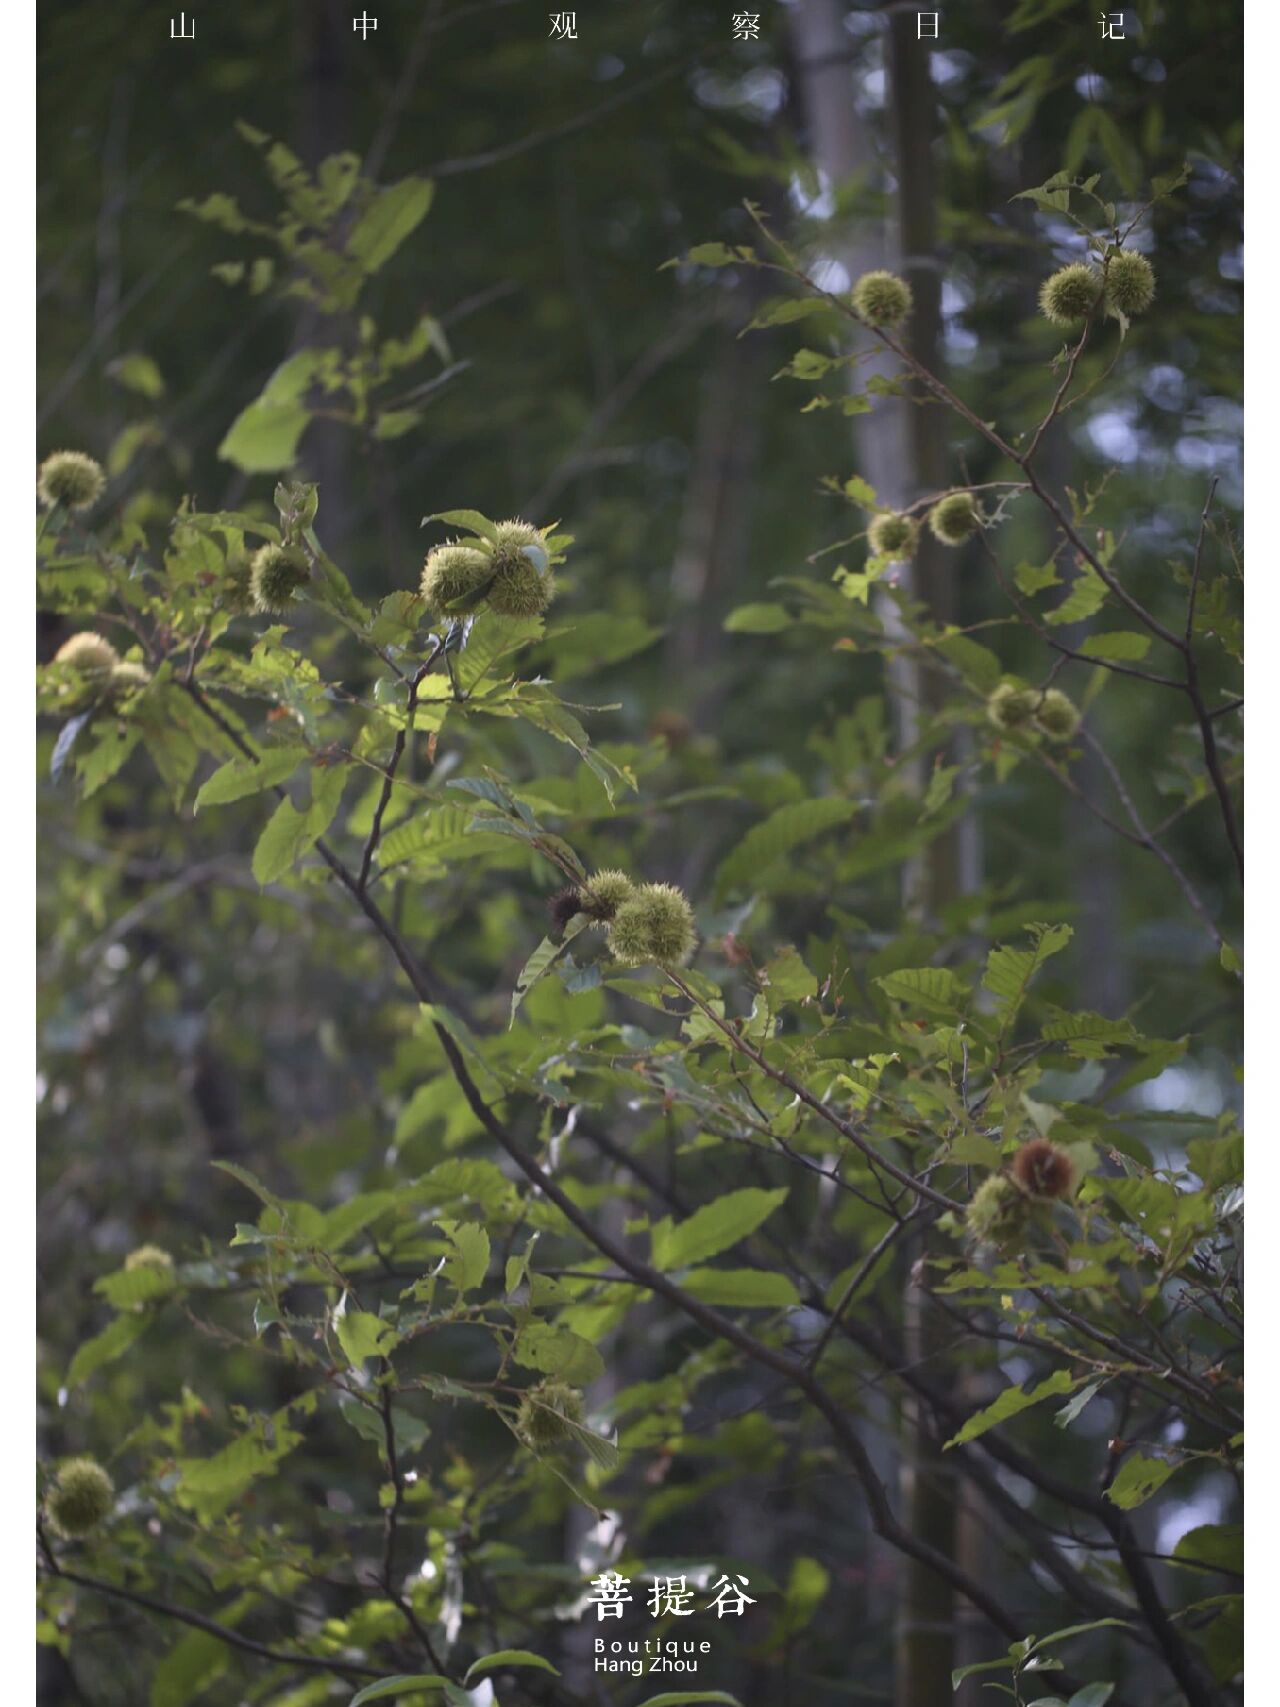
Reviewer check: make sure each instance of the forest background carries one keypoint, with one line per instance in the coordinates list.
(553, 370)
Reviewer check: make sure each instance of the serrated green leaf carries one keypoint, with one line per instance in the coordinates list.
(1084, 599)
(362, 1335)
(558, 1351)
(138, 372)
(403, 1685)
(1138, 1478)
(1089, 1036)
(1010, 970)
(472, 520)
(787, 828)
(513, 1657)
(104, 1348)
(250, 1181)
(1218, 1161)
(1073, 1407)
(97, 764)
(710, 255)
(785, 310)
(749, 1288)
(758, 619)
(978, 664)
(241, 777)
(687, 1698)
(263, 439)
(1220, 1544)
(388, 219)
(713, 1228)
(1037, 1643)
(1010, 1403)
(788, 979)
(193, 1662)
(941, 782)
(290, 834)
(209, 1485)
(1092, 1695)
(1032, 578)
(1121, 646)
(443, 834)
(935, 988)
(127, 1288)
(597, 640)
(468, 1262)
(543, 959)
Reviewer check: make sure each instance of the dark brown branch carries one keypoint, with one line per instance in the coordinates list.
(1066, 527)
(1180, 643)
(846, 1130)
(859, 1276)
(1203, 716)
(722, 1327)
(391, 1522)
(552, 133)
(1060, 646)
(1173, 1648)
(1145, 839)
(389, 775)
(1055, 408)
(367, 905)
(211, 1627)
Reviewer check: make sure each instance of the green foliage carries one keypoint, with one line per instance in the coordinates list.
(1010, 1403)
(530, 1252)
(714, 1228)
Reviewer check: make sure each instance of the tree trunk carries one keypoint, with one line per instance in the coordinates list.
(902, 454)
(925, 1650)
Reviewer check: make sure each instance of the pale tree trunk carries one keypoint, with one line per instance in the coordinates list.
(902, 454)
(841, 148)
(925, 1648)
(714, 527)
(713, 541)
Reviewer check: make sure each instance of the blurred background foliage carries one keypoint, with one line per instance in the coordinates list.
(188, 1017)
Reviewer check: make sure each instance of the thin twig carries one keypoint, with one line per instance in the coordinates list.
(389, 776)
(843, 1127)
(197, 1621)
(1060, 646)
(1056, 406)
(391, 1522)
(1145, 839)
(1204, 717)
(859, 1275)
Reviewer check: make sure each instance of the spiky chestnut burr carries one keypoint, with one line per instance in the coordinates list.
(70, 478)
(655, 924)
(1057, 715)
(81, 1496)
(1068, 296)
(544, 1412)
(1131, 282)
(893, 535)
(276, 572)
(454, 577)
(1010, 707)
(1043, 1169)
(882, 300)
(953, 518)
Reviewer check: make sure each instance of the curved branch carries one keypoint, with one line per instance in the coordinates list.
(211, 1627)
